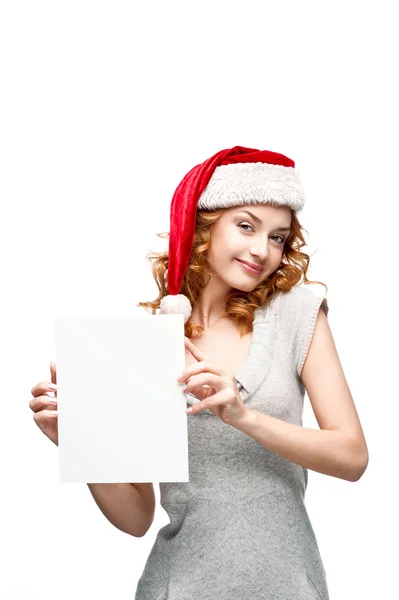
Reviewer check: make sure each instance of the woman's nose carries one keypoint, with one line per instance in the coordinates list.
(261, 249)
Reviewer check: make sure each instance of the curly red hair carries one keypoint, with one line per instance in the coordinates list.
(240, 306)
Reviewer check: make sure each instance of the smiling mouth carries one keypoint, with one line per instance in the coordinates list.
(249, 269)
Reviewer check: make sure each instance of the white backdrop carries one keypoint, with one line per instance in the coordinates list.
(104, 108)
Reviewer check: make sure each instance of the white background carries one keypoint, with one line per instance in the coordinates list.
(104, 108)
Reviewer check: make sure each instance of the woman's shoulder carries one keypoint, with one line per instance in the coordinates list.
(301, 298)
(290, 305)
(298, 317)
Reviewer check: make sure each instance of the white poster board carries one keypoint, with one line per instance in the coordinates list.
(121, 409)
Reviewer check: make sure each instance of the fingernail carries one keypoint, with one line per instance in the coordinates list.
(181, 377)
(52, 386)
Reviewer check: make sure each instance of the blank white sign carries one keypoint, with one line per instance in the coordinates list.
(121, 410)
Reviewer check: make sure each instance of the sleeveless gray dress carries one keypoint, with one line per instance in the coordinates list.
(239, 529)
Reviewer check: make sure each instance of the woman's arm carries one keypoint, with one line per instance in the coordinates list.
(339, 447)
(130, 507)
(329, 452)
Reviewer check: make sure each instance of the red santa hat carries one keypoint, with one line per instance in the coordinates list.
(232, 177)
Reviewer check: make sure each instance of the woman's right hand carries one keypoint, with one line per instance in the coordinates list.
(45, 407)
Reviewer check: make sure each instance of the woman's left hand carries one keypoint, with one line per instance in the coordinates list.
(222, 397)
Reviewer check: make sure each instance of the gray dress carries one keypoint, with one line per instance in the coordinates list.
(239, 529)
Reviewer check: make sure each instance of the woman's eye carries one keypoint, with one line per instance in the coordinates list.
(281, 238)
(245, 225)
(274, 236)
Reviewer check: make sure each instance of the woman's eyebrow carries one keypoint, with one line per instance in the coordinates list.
(255, 218)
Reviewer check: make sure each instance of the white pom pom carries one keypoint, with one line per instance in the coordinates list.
(173, 305)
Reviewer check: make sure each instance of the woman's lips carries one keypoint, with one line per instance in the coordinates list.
(249, 269)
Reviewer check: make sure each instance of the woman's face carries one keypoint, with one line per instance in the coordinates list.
(257, 238)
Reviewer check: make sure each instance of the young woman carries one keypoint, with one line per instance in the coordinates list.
(255, 341)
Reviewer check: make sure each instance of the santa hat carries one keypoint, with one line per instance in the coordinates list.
(231, 177)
